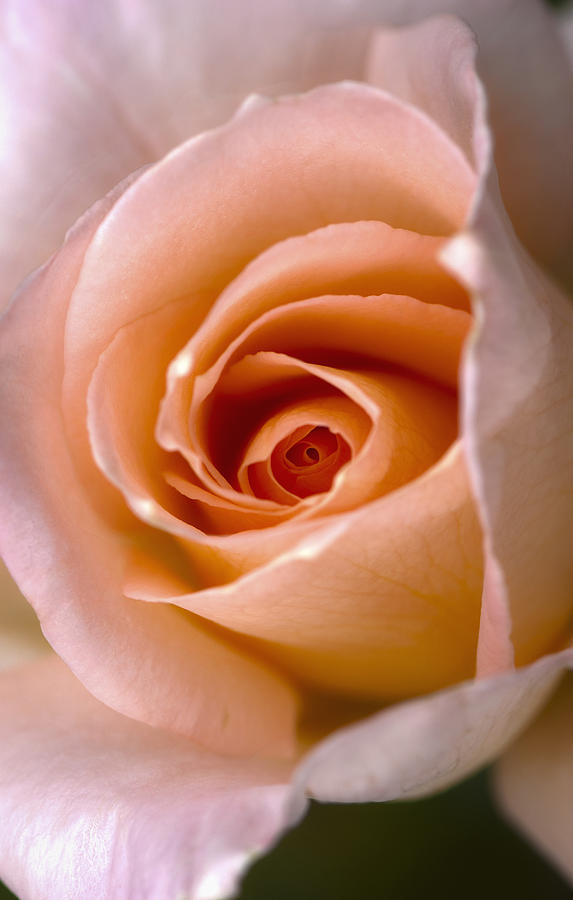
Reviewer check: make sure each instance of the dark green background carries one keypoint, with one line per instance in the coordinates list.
(453, 847)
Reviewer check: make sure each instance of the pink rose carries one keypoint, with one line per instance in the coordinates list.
(234, 487)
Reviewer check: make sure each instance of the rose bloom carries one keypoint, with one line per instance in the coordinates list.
(287, 457)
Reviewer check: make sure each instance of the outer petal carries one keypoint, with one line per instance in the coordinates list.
(162, 668)
(178, 67)
(421, 63)
(94, 90)
(534, 780)
(93, 804)
(417, 748)
(517, 395)
(518, 406)
(523, 63)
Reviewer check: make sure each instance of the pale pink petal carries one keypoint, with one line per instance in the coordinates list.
(179, 67)
(529, 88)
(534, 781)
(517, 395)
(163, 668)
(20, 635)
(432, 65)
(94, 804)
(517, 409)
(417, 748)
(93, 91)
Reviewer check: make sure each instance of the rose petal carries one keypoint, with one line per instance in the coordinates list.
(518, 403)
(432, 65)
(413, 423)
(177, 68)
(162, 668)
(277, 150)
(96, 805)
(423, 746)
(534, 780)
(183, 228)
(380, 618)
(347, 258)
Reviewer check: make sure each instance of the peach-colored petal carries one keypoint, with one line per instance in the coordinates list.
(277, 151)
(517, 406)
(347, 258)
(163, 668)
(423, 746)
(413, 422)
(384, 330)
(267, 300)
(412, 426)
(121, 433)
(291, 430)
(94, 804)
(534, 780)
(425, 338)
(376, 618)
(173, 234)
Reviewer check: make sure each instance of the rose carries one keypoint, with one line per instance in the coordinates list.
(56, 522)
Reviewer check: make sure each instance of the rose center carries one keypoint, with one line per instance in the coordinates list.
(307, 460)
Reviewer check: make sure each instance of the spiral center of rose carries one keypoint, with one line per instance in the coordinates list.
(306, 461)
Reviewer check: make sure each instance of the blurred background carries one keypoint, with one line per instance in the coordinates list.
(453, 846)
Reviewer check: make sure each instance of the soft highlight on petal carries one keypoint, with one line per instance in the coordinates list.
(96, 805)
